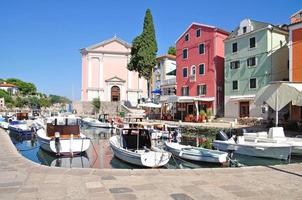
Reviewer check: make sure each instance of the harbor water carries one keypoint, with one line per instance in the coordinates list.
(99, 155)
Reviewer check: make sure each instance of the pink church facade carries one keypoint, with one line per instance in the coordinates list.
(105, 74)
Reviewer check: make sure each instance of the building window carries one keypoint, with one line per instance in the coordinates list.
(185, 91)
(234, 47)
(253, 83)
(185, 53)
(252, 42)
(235, 64)
(193, 70)
(185, 72)
(201, 69)
(201, 48)
(198, 31)
(187, 37)
(244, 29)
(201, 89)
(234, 85)
(251, 62)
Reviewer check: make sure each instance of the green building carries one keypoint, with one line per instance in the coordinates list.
(256, 53)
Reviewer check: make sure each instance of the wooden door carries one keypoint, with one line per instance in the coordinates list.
(115, 93)
(244, 109)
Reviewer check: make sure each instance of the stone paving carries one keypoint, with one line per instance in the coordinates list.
(23, 179)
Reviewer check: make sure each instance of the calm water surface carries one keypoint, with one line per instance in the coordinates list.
(99, 155)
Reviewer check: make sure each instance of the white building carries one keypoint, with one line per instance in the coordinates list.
(10, 88)
(164, 77)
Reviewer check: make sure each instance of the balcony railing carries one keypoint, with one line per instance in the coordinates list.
(192, 78)
(171, 81)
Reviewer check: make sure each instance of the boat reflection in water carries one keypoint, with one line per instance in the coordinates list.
(79, 161)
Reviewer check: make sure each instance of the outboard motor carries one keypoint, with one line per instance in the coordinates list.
(221, 136)
(175, 135)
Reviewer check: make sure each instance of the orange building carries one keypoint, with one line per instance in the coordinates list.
(295, 47)
(295, 57)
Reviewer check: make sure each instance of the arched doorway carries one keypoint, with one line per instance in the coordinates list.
(115, 93)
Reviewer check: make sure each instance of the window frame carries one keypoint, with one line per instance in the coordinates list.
(183, 53)
(244, 29)
(247, 62)
(187, 35)
(185, 68)
(237, 85)
(202, 86)
(193, 66)
(204, 48)
(236, 47)
(182, 90)
(250, 83)
(199, 29)
(250, 42)
(233, 62)
(204, 69)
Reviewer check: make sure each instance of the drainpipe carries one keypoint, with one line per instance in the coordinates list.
(215, 79)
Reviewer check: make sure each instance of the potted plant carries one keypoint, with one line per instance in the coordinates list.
(203, 115)
(209, 115)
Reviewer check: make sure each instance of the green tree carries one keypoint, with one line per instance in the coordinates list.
(58, 99)
(44, 102)
(21, 102)
(24, 87)
(172, 50)
(96, 104)
(34, 102)
(144, 49)
(7, 98)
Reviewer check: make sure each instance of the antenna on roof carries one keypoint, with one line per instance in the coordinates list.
(114, 35)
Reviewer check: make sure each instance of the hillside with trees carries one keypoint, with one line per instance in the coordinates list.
(28, 96)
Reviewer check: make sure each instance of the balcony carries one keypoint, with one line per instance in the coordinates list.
(192, 78)
(171, 81)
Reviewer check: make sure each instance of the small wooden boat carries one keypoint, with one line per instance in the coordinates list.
(196, 153)
(62, 136)
(133, 145)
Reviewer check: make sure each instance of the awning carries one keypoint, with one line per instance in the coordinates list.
(242, 98)
(156, 91)
(187, 99)
(278, 94)
(150, 105)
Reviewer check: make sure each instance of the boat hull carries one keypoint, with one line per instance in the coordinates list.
(68, 147)
(144, 159)
(19, 131)
(276, 152)
(212, 156)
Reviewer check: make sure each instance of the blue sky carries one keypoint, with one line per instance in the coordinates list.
(40, 40)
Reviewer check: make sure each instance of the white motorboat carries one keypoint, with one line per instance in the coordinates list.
(196, 153)
(254, 148)
(275, 135)
(62, 136)
(21, 128)
(4, 125)
(96, 123)
(134, 146)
